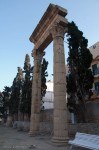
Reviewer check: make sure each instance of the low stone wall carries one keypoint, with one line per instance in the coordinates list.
(46, 121)
(21, 125)
(91, 128)
(46, 115)
(93, 111)
(46, 125)
(46, 128)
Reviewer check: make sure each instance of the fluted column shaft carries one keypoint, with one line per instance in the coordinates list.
(36, 93)
(60, 108)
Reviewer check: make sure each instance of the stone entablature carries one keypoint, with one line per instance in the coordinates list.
(41, 36)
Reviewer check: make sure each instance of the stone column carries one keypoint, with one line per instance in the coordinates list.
(36, 93)
(60, 109)
(9, 121)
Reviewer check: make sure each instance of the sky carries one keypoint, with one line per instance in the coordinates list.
(18, 19)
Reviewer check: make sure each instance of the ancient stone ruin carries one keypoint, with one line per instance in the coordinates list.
(52, 27)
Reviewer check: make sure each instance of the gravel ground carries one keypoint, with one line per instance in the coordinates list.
(11, 139)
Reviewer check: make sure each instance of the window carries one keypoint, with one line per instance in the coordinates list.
(97, 88)
(94, 46)
(94, 69)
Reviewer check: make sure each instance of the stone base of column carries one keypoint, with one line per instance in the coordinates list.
(34, 125)
(60, 140)
(20, 125)
(26, 126)
(9, 121)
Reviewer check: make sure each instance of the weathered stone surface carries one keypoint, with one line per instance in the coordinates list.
(19, 125)
(59, 67)
(26, 126)
(91, 128)
(9, 121)
(52, 26)
(15, 124)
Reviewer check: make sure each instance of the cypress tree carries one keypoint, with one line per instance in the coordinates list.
(80, 78)
(44, 74)
(25, 105)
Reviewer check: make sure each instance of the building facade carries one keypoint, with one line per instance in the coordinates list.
(94, 49)
(93, 104)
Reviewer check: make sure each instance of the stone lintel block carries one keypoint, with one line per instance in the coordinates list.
(42, 31)
(48, 17)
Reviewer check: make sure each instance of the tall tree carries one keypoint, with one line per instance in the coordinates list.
(44, 74)
(21, 89)
(25, 105)
(16, 92)
(6, 100)
(1, 103)
(79, 60)
(14, 97)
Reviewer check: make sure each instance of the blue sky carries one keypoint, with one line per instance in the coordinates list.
(18, 19)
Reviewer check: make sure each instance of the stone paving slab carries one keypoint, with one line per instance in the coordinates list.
(11, 139)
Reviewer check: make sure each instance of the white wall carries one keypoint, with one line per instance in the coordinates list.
(49, 97)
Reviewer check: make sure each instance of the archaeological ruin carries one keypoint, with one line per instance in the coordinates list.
(51, 27)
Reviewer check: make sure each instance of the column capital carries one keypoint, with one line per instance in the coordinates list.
(58, 31)
(37, 54)
(33, 54)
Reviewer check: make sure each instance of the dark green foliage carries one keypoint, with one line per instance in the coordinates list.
(25, 105)
(18, 97)
(44, 74)
(79, 60)
(6, 100)
(15, 96)
(1, 103)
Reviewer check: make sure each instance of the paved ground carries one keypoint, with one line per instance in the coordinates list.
(11, 139)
